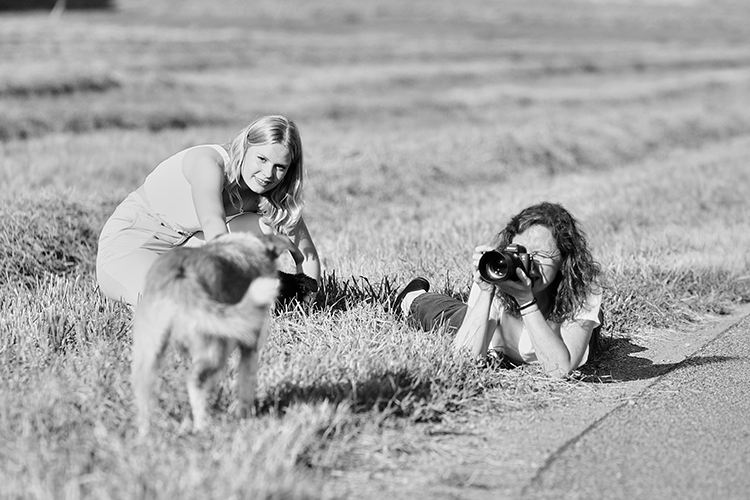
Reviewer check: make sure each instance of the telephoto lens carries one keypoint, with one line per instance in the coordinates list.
(496, 266)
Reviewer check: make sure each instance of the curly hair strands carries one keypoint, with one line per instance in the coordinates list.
(280, 208)
(578, 274)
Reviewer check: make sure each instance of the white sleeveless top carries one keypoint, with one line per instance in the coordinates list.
(169, 195)
(589, 312)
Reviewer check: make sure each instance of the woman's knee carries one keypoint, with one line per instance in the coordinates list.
(123, 279)
(116, 289)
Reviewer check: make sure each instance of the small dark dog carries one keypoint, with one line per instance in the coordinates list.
(208, 300)
(296, 288)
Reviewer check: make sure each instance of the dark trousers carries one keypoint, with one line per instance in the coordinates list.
(432, 310)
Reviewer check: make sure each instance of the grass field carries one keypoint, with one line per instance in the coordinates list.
(426, 124)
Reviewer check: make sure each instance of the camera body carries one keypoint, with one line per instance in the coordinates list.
(500, 265)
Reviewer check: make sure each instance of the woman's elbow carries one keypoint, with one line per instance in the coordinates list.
(558, 370)
(561, 363)
(559, 373)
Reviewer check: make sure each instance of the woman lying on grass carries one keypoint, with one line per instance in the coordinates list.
(548, 312)
(253, 184)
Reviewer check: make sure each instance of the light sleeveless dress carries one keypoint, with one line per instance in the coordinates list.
(156, 217)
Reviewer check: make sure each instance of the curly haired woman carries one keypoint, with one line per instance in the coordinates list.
(548, 313)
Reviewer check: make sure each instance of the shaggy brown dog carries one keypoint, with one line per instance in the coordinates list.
(207, 300)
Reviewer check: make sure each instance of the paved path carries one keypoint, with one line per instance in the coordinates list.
(675, 424)
(686, 436)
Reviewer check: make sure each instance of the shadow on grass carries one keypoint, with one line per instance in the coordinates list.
(395, 391)
(618, 364)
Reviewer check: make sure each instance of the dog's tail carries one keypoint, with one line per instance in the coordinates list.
(243, 321)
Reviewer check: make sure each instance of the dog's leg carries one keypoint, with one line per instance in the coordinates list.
(150, 338)
(209, 355)
(247, 372)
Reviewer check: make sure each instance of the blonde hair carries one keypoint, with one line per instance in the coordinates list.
(280, 208)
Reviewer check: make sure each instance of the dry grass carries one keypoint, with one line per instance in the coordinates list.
(426, 124)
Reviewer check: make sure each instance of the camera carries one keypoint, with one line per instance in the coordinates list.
(500, 265)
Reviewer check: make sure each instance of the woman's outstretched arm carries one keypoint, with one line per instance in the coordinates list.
(204, 171)
(306, 258)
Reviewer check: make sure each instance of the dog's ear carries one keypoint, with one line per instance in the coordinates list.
(276, 244)
(263, 290)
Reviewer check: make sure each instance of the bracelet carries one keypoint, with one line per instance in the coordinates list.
(527, 304)
(528, 313)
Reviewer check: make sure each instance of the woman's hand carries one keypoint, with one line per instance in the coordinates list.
(519, 290)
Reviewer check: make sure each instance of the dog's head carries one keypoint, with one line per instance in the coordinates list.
(263, 291)
(299, 287)
(276, 245)
(227, 265)
(249, 246)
